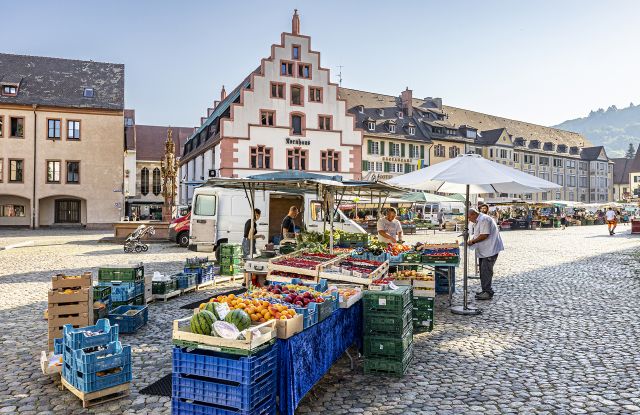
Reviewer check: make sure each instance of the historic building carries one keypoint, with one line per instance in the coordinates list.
(425, 132)
(144, 150)
(626, 178)
(285, 115)
(61, 141)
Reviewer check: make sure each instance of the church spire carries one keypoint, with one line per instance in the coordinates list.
(295, 23)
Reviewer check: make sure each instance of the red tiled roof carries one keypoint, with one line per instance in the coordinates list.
(150, 140)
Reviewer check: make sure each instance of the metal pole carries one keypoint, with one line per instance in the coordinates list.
(465, 309)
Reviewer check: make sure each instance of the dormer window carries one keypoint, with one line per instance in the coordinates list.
(381, 112)
(400, 114)
(88, 93)
(371, 125)
(412, 130)
(392, 128)
(361, 109)
(9, 90)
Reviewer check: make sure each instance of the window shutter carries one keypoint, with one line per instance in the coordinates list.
(382, 148)
(402, 150)
(386, 166)
(369, 146)
(410, 150)
(365, 165)
(422, 152)
(407, 168)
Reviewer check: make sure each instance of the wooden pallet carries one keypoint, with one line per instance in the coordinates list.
(188, 289)
(205, 285)
(167, 296)
(101, 396)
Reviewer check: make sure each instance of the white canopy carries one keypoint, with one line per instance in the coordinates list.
(480, 174)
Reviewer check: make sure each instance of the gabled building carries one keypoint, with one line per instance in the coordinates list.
(61, 142)
(285, 115)
(621, 178)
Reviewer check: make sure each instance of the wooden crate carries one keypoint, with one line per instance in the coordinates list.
(100, 396)
(61, 282)
(69, 309)
(82, 295)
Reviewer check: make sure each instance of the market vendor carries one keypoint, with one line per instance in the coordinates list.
(251, 236)
(288, 225)
(488, 243)
(389, 228)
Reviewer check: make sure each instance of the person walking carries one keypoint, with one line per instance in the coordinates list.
(563, 220)
(249, 236)
(612, 221)
(487, 243)
(440, 219)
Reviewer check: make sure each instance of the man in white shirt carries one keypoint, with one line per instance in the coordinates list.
(488, 243)
(389, 228)
(612, 220)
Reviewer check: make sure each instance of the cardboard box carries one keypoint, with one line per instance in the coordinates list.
(61, 282)
(290, 327)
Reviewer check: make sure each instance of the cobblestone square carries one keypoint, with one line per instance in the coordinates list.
(560, 336)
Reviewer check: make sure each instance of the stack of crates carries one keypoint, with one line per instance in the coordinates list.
(207, 382)
(127, 284)
(94, 359)
(442, 283)
(422, 314)
(70, 302)
(202, 267)
(231, 259)
(388, 331)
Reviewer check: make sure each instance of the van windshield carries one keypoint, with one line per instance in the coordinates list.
(205, 205)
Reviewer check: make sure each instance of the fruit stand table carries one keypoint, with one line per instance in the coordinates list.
(307, 356)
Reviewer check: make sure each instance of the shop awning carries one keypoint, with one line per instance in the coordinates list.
(424, 197)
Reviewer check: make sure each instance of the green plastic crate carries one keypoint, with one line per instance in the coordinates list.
(383, 366)
(139, 300)
(163, 287)
(101, 292)
(412, 257)
(392, 348)
(230, 270)
(225, 261)
(230, 251)
(383, 323)
(423, 303)
(392, 301)
(133, 274)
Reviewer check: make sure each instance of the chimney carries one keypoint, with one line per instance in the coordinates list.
(438, 102)
(406, 97)
(223, 94)
(210, 111)
(295, 23)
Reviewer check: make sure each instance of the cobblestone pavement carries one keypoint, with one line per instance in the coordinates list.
(560, 336)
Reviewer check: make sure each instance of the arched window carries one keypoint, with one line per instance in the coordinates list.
(157, 182)
(144, 181)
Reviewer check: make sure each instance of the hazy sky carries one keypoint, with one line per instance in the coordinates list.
(539, 61)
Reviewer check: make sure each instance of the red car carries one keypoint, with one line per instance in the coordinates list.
(179, 230)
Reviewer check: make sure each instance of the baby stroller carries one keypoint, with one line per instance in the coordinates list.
(133, 243)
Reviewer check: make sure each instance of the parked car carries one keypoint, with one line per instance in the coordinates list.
(179, 230)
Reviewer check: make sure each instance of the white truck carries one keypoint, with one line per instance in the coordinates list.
(430, 210)
(218, 216)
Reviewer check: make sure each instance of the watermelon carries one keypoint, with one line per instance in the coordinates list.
(201, 322)
(211, 307)
(238, 318)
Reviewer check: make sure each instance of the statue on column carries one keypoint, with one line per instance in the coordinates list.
(169, 172)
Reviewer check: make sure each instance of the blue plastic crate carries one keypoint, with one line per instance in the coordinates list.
(441, 281)
(185, 407)
(380, 258)
(186, 280)
(121, 291)
(238, 396)
(115, 355)
(91, 382)
(396, 259)
(57, 346)
(231, 368)
(202, 278)
(129, 323)
(309, 314)
(78, 338)
(139, 288)
(321, 286)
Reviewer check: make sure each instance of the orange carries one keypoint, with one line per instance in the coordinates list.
(232, 296)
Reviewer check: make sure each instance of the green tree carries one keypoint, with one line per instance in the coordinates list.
(631, 152)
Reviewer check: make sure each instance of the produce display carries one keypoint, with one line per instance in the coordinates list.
(202, 322)
(238, 318)
(255, 309)
(297, 263)
(411, 274)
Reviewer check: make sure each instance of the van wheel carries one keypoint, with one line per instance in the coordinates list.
(183, 239)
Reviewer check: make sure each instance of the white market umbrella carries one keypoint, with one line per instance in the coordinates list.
(471, 174)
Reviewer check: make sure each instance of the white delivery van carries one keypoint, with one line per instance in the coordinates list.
(450, 209)
(218, 216)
